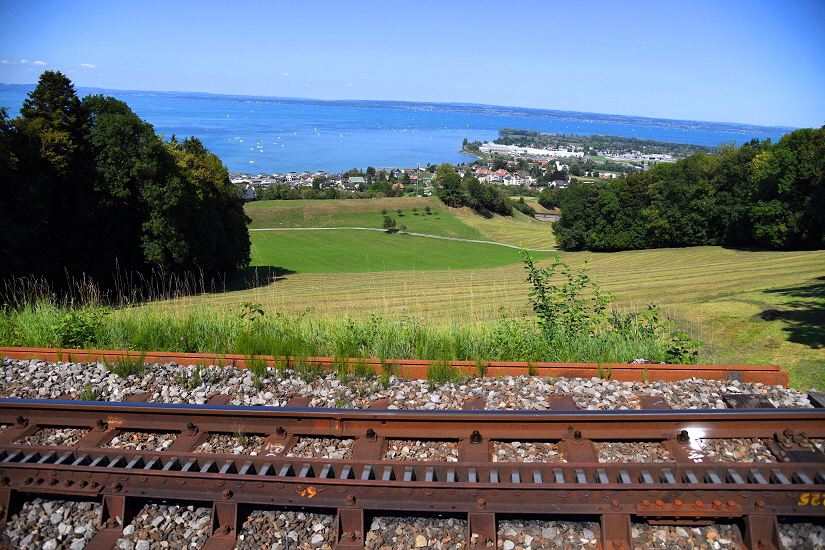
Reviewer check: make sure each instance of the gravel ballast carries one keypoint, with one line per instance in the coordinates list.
(161, 525)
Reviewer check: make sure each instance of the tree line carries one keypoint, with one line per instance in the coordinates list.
(760, 194)
(484, 199)
(90, 190)
(596, 142)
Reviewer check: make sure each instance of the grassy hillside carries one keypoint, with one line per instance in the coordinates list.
(361, 213)
(747, 306)
(354, 251)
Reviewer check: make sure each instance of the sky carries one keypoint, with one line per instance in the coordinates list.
(745, 61)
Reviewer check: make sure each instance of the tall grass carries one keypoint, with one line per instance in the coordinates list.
(210, 330)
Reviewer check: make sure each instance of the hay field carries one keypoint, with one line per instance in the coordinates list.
(747, 306)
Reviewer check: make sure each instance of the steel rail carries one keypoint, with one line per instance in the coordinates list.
(683, 490)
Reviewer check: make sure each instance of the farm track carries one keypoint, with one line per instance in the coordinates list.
(347, 471)
(405, 232)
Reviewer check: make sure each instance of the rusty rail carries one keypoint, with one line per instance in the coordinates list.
(415, 368)
(684, 490)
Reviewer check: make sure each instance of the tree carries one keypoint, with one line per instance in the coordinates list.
(92, 190)
(449, 185)
(389, 223)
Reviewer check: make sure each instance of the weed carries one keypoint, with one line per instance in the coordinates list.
(88, 393)
(531, 370)
(385, 379)
(195, 381)
(564, 307)
(251, 311)
(181, 378)
(76, 329)
(481, 368)
(256, 365)
(240, 435)
(683, 349)
(307, 371)
(644, 375)
(128, 366)
(364, 371)
(443, 372)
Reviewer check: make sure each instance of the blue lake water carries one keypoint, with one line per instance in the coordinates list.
(266, 135)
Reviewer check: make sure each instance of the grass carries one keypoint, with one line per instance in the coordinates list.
(361, 213)
(520, 230)
(747, 306)
(353, 251)
(714, 293)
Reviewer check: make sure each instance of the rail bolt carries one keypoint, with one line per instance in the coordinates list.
(683, 437)
(116, 487)
(191, 428)
(577, 435)
(28, 481)
(677, 504)
(280, 432)
(731, 505)
(763, 544)
(53, 482)
(698, 504)
(615, 504)
(371, 434)
(659, 504)
(227, 494)
(617, 544)
(22, 421)
(350, 500)
(475, 437)
(645, 504)
(717, 504)
(481, 503)
(759, 505)
(101, 425)
(4, 482)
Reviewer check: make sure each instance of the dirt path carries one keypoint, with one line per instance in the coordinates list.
(406, 233)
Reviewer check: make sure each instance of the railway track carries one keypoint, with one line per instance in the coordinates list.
(359, 464)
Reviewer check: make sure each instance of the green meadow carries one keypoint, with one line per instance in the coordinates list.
(745, 306)
(358, 251)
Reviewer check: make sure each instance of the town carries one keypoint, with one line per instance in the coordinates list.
(529, 167)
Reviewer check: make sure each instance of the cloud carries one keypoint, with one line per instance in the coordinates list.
(7, 62)
(39, 63)
(87, 65)
(286, 74)
(22, 61)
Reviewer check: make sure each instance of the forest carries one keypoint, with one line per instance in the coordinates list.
(89, 190)
(762, 194)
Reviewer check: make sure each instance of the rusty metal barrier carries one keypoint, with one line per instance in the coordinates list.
(686, 489)
(416, 368)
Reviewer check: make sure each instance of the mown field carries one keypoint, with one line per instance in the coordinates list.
(747, 306)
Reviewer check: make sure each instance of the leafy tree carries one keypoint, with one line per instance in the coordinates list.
(389, 223)
(90, 189)
(789, 192)
(449, 185)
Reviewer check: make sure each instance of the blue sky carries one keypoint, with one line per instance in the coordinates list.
(747, 61)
